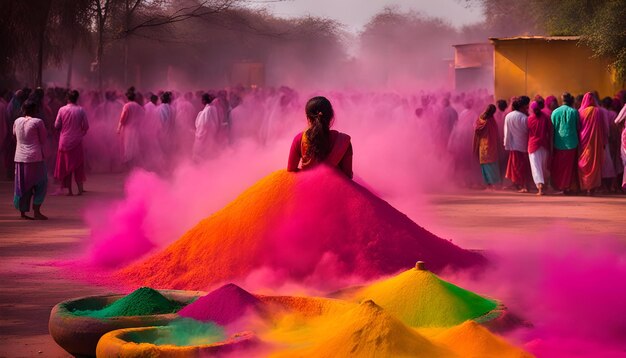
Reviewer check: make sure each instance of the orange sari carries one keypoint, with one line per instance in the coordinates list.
(592, 142)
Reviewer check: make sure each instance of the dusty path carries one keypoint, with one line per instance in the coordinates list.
(29, 288)
(479, 216)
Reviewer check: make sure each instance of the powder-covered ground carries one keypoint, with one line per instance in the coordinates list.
(29, 289)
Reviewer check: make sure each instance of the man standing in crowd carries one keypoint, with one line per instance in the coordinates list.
(516, 142)
(566, 122)
(71, 122)
(207, 127)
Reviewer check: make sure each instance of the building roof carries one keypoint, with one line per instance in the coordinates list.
(543, 38)
(473, 44)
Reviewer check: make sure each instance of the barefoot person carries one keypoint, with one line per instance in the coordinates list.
(72, 124)
(318, 143)
(486, 146)
(539, 144)
(31, 178)
(516, 142)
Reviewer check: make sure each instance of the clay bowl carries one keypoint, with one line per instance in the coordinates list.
(79, 335)
(139, 342)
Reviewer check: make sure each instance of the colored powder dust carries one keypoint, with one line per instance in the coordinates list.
(470, 339)
(188, 332)
(421, 299)
(366, 331)
(305, 227)
(223, 306)
(141, 302)
(306, 307)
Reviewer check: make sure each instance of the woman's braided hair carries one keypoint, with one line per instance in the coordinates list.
(320, 114)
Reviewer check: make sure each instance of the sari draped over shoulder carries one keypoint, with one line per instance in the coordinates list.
(486, 140)
(340, 155)
(592, 142)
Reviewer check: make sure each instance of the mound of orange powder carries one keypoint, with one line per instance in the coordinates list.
(306, 227)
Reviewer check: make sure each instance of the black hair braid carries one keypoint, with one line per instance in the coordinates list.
(320, 113)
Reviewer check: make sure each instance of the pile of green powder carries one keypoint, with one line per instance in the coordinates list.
(141, 302)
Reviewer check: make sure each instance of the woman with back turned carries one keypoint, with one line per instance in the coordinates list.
(31, 176)
(318, 143)
(486, 146)
(540, 133)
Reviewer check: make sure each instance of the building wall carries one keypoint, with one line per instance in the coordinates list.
(473, 67)
(538, 66)
(248, 74)
(473, 78)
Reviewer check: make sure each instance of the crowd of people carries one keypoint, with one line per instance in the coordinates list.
(576, 146)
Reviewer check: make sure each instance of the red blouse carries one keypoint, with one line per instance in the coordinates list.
(340, 155)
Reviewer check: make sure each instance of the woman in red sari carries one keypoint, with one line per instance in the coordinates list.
(592, 142)
(318, 143)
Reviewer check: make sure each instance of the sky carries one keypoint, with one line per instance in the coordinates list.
(356, 13)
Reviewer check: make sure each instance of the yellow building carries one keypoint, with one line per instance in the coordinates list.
(533, 65)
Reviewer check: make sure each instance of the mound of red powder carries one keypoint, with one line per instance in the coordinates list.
(223, 306)
(312, 226)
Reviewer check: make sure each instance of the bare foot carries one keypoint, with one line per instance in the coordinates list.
(523, 190)
(26, 217)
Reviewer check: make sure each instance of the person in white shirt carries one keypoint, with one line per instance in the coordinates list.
(516, 142)
(31, 177)
(207, 127)
(166, 132)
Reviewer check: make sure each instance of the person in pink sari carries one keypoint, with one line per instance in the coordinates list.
(318, 144)
(551, 103)
(542, 102)
(131, 121)
(539, 144)
(619, 122)
(592, 142)
(72, 124)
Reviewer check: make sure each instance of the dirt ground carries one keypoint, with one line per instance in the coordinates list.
(29, 287)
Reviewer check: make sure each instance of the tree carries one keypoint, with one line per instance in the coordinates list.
(36, 33)
(122, 19)
(396, 44)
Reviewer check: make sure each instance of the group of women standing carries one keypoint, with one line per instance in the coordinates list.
(570, 146)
